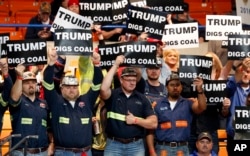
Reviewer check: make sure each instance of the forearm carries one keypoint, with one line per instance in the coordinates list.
(107, 81)
(202, 104)
(108, 34)
(150, 142)
(16, 90)
(148, 123)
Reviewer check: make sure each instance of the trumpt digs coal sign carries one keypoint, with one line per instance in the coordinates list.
(27, 52)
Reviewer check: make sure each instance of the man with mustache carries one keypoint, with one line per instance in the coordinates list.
(29, 115)
(204, 145)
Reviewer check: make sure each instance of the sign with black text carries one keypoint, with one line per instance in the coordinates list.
(146, 20)
(138, 3)
(242, 122)
(184, 35)
(136, 53)
(218, 27)
(4, 37)
(73, 42)
(238, 47)
(215, 91)
(28, 52)
(68, 19)
(100, 11)
(173, 6)
(119, 10)
(193, 66)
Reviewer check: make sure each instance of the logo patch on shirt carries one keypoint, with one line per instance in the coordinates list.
(42, 105)
(138, 102)
(81, 104)
(163, 108)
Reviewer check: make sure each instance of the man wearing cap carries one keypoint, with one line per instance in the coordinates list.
(174, 118)
(204, 145)
(71, 113)
(43, 17)
(128, 113)
(29, 115)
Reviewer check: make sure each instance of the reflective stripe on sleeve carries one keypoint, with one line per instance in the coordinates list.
(3, 103)
(118, 116)
(44, 123)
(48, 86)
(95, 87)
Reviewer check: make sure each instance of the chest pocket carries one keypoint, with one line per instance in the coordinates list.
(153, 98)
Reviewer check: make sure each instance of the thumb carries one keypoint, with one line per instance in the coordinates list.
(129, 112)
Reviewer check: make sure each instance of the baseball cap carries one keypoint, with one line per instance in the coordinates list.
(206, 135)
(69, 80)
(29, 76)
(45, 7)
(172, 76)
(128, 71)
(71, 2)
(154, 40)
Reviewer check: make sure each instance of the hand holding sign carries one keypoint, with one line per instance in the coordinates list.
(226, 103)
(198, 82)
(52, 56)
(20, 69)
(4, 66)
(119, 60)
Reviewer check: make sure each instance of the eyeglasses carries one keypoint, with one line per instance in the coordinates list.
(129, 80)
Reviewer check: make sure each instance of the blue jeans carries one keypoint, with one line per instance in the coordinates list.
(20, 153)
(69, 153)
(115, 148)
(172, 151)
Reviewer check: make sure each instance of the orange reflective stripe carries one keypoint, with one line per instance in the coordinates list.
(164, 153)
(181, 123)
(179, 153)
(165, 125)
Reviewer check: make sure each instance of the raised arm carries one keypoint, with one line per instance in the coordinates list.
(16, 90)
(200, 104)
(105, 92)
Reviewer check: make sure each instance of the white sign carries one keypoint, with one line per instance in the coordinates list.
(184, 35)
(218, 27)
(68, 19)
(243, 10)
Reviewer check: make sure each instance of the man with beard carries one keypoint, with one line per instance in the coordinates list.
(29, 115)
(154, 91)
(174, 118)
(204, 145)
(71, 113)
